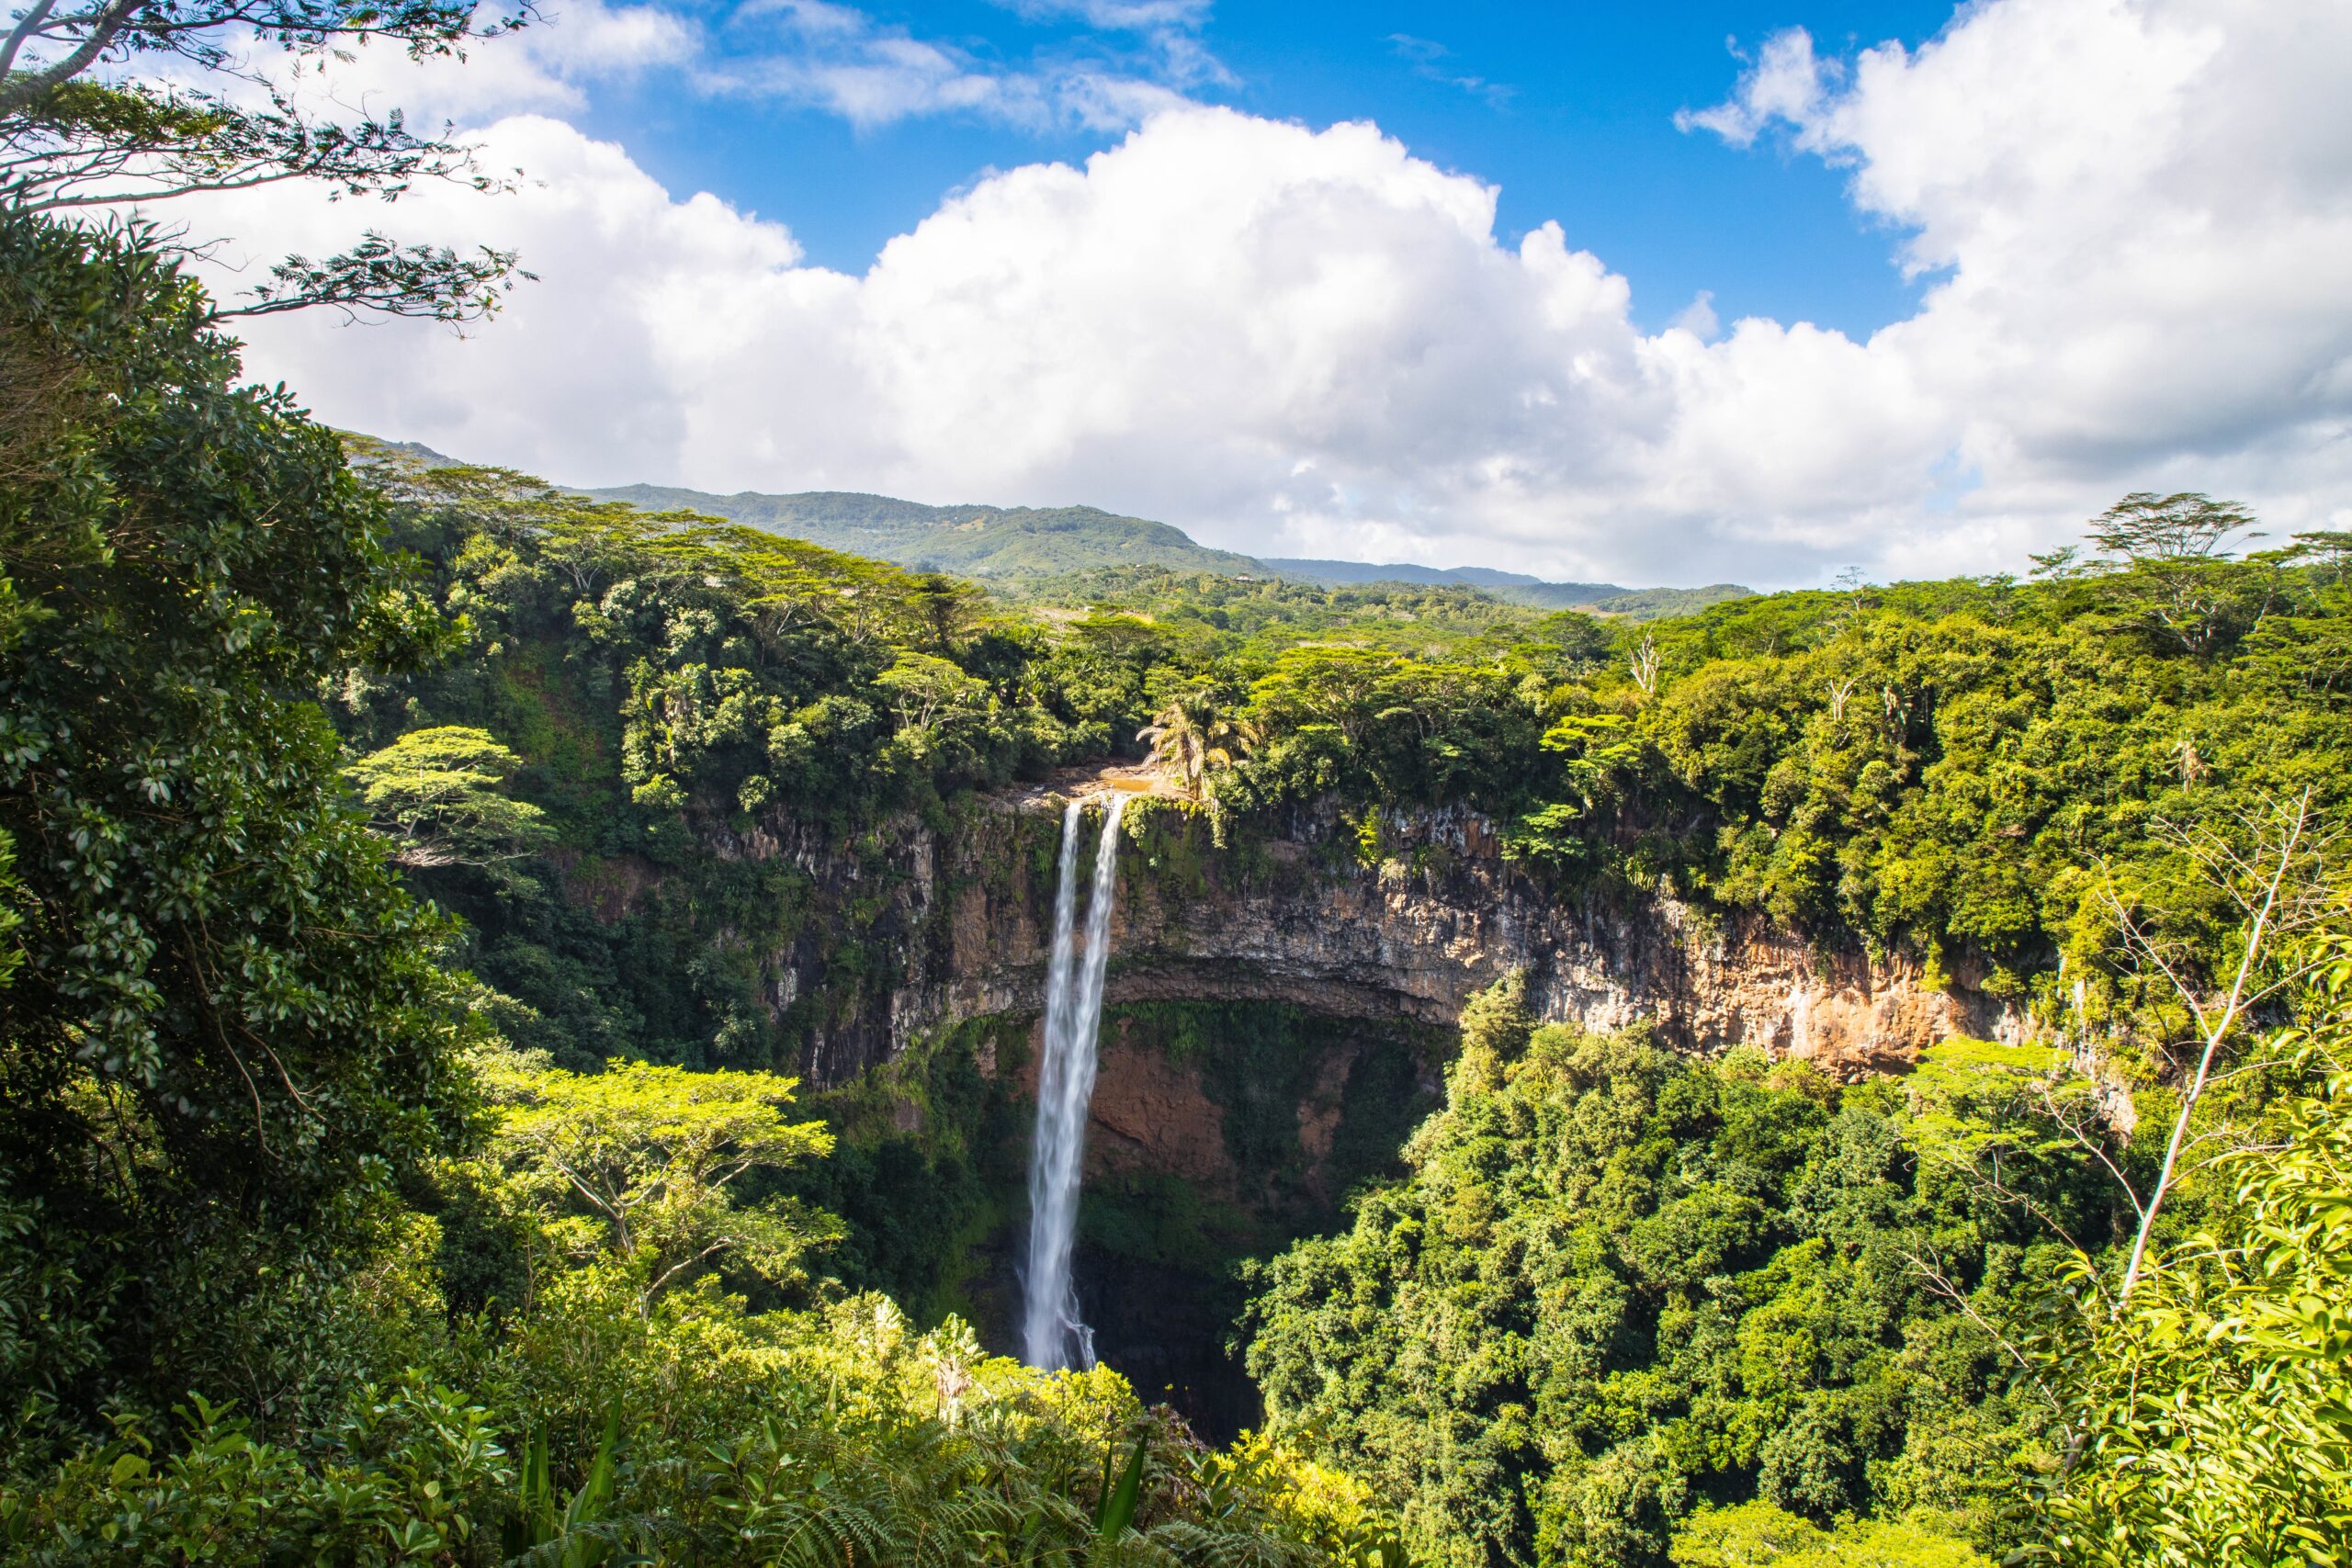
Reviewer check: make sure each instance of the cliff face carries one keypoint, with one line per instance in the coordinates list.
(1298, 916)
(1279, 1020)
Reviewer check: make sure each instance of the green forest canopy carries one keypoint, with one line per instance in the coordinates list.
(298, 1260)
(1961, 771)
(1964, 770)
(343, 1224)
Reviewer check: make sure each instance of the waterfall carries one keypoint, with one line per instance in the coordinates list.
(1052, 1333)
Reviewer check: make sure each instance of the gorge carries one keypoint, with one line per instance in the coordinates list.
(1277, 1014)
(1300, 914)
(1526, 1077)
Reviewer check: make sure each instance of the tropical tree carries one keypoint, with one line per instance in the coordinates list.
(2166, 566)
(932, 698)
(639, 1164)
(230, 1029)
(1758, 1535)
(2275, 871)
(1336, 688)
(2212, 1408)
(1596, 754)
(436, 792)
(944, 609)
(1191, 734)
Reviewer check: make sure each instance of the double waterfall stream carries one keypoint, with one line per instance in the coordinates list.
(1053, 1334)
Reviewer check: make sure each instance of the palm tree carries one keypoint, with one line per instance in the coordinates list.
(1190, 735)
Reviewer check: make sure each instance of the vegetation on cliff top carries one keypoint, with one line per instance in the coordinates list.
(1941, 769)
(1518, 588)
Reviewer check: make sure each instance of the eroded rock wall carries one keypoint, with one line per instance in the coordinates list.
(1297, 916)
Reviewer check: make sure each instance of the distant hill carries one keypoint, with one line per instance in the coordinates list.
(973, 541)
(1656, 604)
(1399, 571)
(1030, 541)
(1606, 598)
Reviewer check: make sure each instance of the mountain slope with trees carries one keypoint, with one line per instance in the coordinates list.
(1518, 588)
(976, 541)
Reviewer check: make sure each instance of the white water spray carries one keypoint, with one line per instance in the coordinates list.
(1052, 1333)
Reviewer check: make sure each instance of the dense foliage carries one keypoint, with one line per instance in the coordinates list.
(2212, 1412)
(1956, 770)
(622, 1400)
(1212, 618)
(299, 1261)
(1964, 774)
(225, 1032)
(1618, 1284)
(1631, 1309)
(1632, 604)
(637, 696)
(120, 102)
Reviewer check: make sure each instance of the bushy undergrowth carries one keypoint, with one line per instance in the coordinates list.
(628, 1405)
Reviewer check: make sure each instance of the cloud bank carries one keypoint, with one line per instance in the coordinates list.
(2135, 221)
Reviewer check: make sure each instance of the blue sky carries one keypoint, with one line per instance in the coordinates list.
(1391, 281)
(1569, 108)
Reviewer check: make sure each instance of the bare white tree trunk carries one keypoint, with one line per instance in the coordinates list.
(1643, 661)
(2278, 882)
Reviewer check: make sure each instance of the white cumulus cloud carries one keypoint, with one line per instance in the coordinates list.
(2135, 221)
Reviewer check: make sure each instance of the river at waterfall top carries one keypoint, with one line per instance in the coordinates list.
(1053, 1334)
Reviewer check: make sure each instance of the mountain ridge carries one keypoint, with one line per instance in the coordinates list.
(1321, 571)
(973, 538)
(984, 540)
(1517, 587)
(1010, 541)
